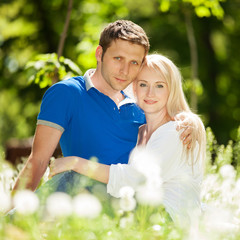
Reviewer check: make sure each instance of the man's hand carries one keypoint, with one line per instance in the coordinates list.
(187, 122)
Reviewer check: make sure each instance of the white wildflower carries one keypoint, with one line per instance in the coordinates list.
(156, 227)
(86, 205)
(227, 171)
(126, 192)
(219, 220)
(59, 204)
(126, 221)
(8, 173)
(7, 178)
(26, 202)
(146, 163)
(237, 186)
(5, 201)
(127, 204)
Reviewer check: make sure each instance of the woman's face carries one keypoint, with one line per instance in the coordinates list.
(151, 91)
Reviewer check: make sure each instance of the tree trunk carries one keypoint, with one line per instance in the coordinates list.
(194, 58)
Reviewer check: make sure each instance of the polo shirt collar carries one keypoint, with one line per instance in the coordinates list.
(87, 78)
(89, 84)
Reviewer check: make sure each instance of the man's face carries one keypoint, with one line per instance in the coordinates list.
(121, 63)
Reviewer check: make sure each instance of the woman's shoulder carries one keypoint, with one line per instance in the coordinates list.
(166, 136)
(168, 129)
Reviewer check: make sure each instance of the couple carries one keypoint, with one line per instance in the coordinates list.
(92, 117)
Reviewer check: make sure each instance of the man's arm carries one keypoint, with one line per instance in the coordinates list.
(45, 141)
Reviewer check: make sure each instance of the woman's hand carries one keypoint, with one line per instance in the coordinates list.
(89, 168)
(59, 165)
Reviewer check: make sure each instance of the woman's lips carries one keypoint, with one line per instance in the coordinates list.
(150, 101)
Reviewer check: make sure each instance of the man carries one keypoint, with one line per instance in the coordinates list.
(91, 115)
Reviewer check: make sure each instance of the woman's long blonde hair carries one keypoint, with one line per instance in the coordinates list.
(176, 101)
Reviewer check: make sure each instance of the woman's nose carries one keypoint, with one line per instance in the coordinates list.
(151, 91)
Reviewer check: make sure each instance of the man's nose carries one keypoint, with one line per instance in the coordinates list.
(125, 68)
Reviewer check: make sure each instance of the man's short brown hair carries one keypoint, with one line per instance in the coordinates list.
(125, 30)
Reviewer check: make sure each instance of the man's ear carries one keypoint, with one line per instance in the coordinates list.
(98, 53)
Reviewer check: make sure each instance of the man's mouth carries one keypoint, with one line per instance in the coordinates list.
(120, 79)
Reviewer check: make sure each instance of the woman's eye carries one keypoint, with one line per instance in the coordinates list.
(135, 62)
(142, 85)
(159, 86)
(117, 58)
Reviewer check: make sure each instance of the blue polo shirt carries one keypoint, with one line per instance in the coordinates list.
(92, 124)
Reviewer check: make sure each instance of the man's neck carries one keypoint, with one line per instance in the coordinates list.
(102, 86)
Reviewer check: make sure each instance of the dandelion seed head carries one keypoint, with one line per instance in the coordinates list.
(127, 204)
(156, 227)
(8, 173)
(218, 219)
(5, 201)
(126, 192)
(145, 162)
(227, 171)
(227, 185)
(126, 221)
(86, 205)
(26, 202)
(59, 204)
(237, 185)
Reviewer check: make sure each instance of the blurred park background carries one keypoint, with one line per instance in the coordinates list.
(201, 36)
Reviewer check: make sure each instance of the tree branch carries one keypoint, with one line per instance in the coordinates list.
(62, 39)
(64, 33)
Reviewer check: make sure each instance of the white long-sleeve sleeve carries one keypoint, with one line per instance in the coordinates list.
(181, 181)
(122, 175)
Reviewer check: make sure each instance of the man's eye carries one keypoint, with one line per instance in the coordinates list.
(135, 62)
(117, 58)
(142, 85)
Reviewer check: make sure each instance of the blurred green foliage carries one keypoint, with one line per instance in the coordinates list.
(31, 30)
(47, 69)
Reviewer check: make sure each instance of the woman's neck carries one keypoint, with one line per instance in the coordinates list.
(154, 121)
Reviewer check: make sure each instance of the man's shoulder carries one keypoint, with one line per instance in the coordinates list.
(73, 82)
(71, 85)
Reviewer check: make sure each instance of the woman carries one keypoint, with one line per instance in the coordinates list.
(159, 93)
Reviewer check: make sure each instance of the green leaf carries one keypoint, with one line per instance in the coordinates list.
(72, 66)
(202, 11)
(164, 5)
